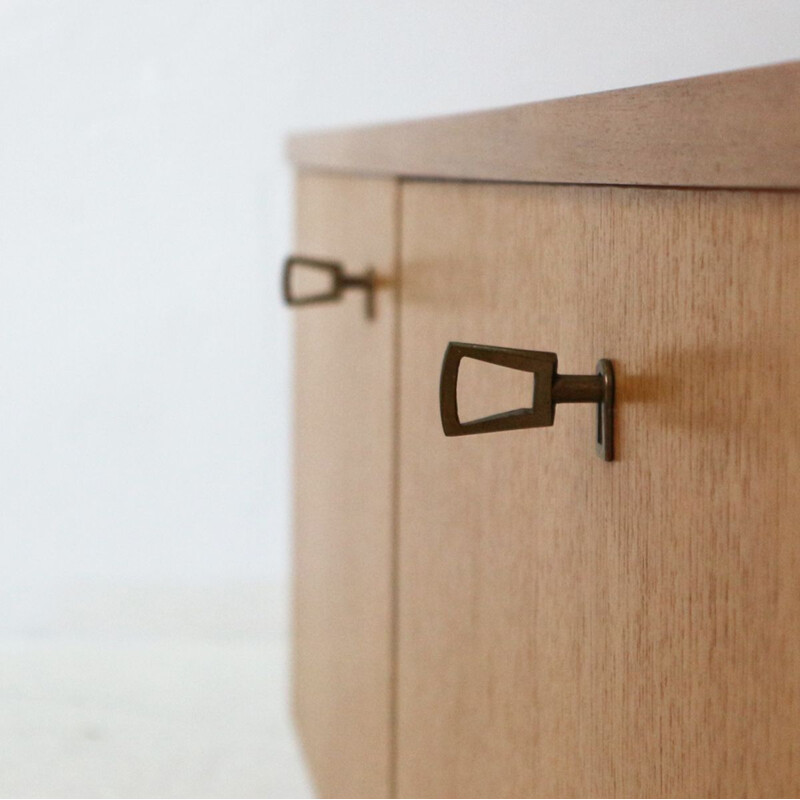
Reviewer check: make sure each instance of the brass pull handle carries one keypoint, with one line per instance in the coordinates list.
(339, 282)
(549, 389)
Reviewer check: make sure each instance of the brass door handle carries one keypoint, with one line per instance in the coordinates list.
(549, 389)
(339, 282)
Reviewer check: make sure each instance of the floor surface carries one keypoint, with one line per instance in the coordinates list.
(146, 717)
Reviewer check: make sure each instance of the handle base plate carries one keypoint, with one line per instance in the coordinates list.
(605, 412)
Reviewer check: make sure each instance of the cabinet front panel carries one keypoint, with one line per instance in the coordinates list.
(344, 416)
(569, 627)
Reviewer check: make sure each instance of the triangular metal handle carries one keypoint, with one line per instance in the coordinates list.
(538, 415)
(339, 282)
(549, 389)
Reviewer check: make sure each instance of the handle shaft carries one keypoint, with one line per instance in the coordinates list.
(578, 389)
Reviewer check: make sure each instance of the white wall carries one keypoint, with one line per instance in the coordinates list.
(144, 210)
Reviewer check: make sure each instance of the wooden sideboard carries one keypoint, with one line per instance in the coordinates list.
(506, 614)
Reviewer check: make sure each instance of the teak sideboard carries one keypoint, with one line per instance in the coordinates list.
(508, 614)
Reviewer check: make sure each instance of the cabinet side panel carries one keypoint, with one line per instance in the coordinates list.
(343, 407)
(569, 627)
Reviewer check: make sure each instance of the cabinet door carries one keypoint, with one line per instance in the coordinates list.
(344, 413)
(569, 627)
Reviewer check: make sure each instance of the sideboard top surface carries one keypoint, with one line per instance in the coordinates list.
(734, 129)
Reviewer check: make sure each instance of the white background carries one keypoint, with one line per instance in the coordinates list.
(145, 208)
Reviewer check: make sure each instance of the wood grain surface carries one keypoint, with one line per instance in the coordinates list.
(730, 129)
(570, 627)
(343, 479)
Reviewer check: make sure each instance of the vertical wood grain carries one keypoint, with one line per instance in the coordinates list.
(343, 435)
(574, 628)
